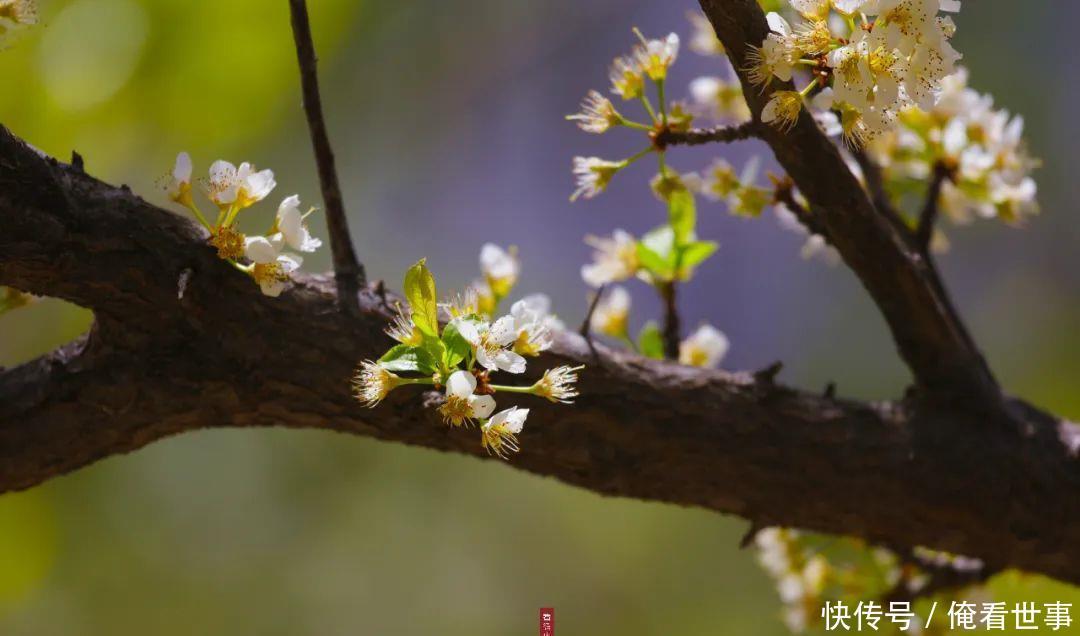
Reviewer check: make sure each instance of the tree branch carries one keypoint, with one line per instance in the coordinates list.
(901, 474)
(928, 335)
(348, 271)
(698, 136)
(924, 232)
(671, 330)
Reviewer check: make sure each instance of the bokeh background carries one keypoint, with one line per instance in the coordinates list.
(447, 120)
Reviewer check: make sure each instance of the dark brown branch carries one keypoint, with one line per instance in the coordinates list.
(929, 336)
(671, 332)
(348, 272)
(698, 136)
(586, 325)
(875, 184)
(903, 474)
(924, 232)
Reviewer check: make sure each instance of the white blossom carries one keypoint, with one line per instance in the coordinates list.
(372, 383)
(597, 114)
(178, 186)
(500, 268)
(271, 268)
(244, 186)
(493, 343)
(290, 222)
(532, 328)
(612, 313)
(614, 258)
(593, 175)
(462, 405)
(499, 434)
(706, 347)
(654, 57)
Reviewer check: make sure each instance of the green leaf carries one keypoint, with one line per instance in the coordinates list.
(650, 342)
(694, 254)
(420, 291)
(457, 348)
(682, 216)
(656, 252)
(405, 359)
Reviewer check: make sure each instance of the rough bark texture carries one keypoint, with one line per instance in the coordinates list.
(182, 341)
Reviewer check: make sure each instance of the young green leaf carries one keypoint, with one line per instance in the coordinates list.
(694, 254)
(457, 348)
(420, 291)
(650, 342)
(656, 252)
(682, 216)
(405, 359)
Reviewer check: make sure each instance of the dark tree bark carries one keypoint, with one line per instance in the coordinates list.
(182, 341)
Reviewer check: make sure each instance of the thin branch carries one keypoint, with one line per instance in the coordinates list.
(348, 271)
(698, 136)
(671, 332)
(924, 232)
(784, 193)
(586, 325)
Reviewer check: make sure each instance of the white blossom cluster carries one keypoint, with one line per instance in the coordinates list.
(981, 148)
(867, 60)
(461, 356)
(232, 189)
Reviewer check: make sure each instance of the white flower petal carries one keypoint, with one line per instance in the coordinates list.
(460, 384)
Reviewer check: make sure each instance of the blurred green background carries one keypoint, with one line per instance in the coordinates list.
(448, 117)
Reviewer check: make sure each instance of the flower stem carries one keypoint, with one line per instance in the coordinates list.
(660, 97)
(649, 108)
(528, 390)
(199, 216)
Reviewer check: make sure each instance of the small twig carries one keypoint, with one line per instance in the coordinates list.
(925, 230)
(697, 136)
(348, 271)
(77, 162)
(784, 192)
(751, 534)
(671, 320)
(769, 373)
(586, 325)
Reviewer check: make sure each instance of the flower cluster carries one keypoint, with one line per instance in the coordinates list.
(461, 356)
(979, 147)
(17, 13)
(872, 58)
(810, 570)
(233, 189)
(648, 63)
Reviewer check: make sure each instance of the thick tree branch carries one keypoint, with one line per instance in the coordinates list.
(348, 271)
(929, 336)
(155, 364)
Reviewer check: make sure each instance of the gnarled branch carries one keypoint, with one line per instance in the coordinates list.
(157, 363)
